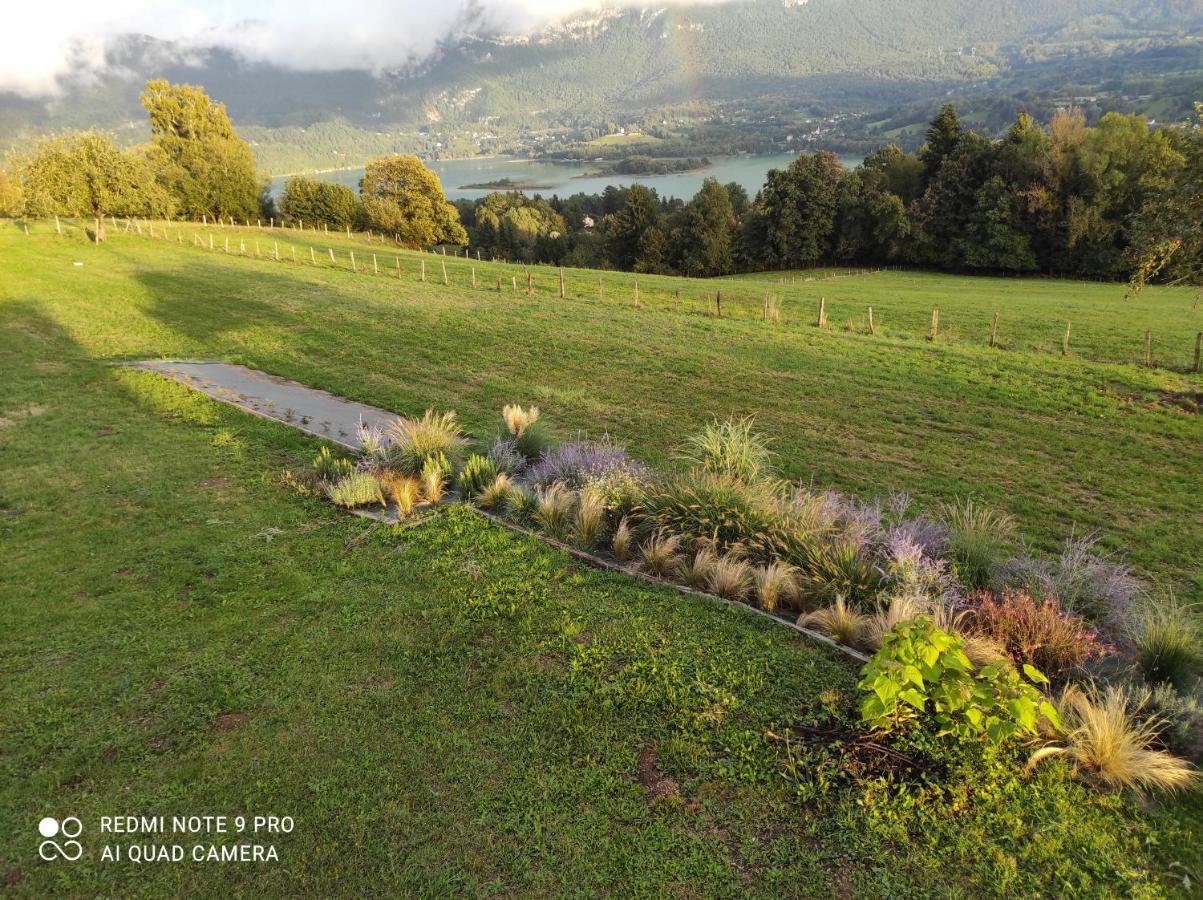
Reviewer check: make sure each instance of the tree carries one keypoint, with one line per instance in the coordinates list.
(308, 200)
(625, 229)
(705, 236)
(199, 157)
(83, 174)
(403, 197)
(797, 211)
(1167, 234)
(12, 199)
(943, 136)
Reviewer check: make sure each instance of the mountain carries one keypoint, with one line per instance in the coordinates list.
(837, 67)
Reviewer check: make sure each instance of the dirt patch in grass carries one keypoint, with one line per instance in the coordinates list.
(231, 721)
(1188, 401)
(658, 785)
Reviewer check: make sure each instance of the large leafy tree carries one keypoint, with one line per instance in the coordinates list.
(797, 211)
(626, 228)
(85, 174)
(705, 237)
(403, 197)
(199, 157)
(313, 202)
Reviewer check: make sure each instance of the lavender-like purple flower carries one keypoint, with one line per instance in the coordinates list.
(578, 463)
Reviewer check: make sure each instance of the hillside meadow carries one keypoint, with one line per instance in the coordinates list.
(453, 708)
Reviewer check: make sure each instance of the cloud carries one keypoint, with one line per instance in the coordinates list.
(41, 45)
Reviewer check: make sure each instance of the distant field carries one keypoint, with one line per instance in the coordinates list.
(624, 140)
(453, 709)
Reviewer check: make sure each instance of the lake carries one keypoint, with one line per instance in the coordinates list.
(748, 171)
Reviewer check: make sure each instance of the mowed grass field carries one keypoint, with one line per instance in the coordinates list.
(451, 708)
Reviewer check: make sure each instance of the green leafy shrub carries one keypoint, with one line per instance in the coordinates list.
(478, 473)
(731, 449)
(921, 673)
(330, 467)
(979, 536)
(534, 441)
(416, 440)
(356, 489)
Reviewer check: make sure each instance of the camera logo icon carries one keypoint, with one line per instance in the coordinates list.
(69, 849)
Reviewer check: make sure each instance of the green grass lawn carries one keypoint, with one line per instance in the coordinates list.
(452, 708)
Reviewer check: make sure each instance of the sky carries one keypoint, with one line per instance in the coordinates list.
(42, 43)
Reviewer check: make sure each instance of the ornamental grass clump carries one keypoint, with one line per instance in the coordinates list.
(1112, 746)
(694, 570)
(355, 490)
(718, 508)
(413, 441)
(520, 504)
(730, 577)
(776, 585)
(839, 621)
(331, 468)
(405, 492)
(1034, 631)
(435, 472)
(1166, 639)
(518, 419)
(839, 569)
(496, 493)
(979, 536)
(478, 473)
(730, 448)
(623, 540)
(553, 509)
(589, 519)
(659, 553)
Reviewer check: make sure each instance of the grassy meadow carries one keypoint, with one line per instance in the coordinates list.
(451, 708)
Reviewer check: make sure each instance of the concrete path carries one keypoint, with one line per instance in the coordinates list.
(313, 411)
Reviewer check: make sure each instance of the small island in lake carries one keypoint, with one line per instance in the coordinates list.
(648, 165)
(506, 184)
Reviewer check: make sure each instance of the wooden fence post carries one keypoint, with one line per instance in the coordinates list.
(514, 283)
(375, 268)
(397, 260)
(637, 293)
(333, 262)
(210, 240)
(354, 268)
(58, 228)
(530, 284)
(227, 243)
(444, 265)
(1198, 351)
(423, 271)
(994, 330)
(677, 298)
(276, 250)
(601, 292)
(474, 277)
(935, 325)
(1148, 349)
(718, 303)
(312, 258)
(821, 322)
(1065, 341)
(499, 283)
(561, 282)
(872, 327)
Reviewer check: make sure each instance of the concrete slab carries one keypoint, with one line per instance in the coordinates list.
(315, 412)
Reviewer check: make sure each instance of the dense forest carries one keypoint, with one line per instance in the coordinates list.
(1116, 200)
(1112, 201)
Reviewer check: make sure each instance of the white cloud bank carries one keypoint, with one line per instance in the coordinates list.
(41, 44)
